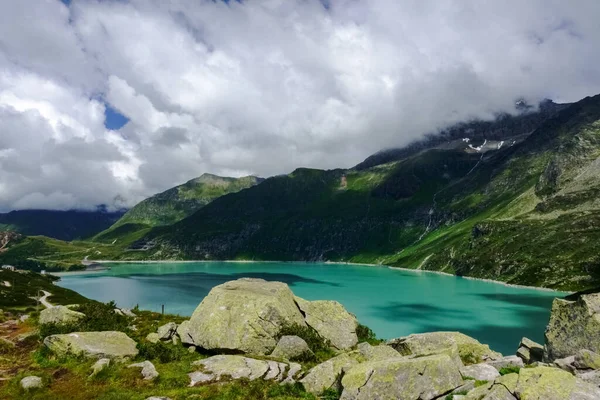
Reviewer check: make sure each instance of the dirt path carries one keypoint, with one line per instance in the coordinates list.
(43, 300)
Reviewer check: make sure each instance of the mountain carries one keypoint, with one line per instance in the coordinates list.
(63, 225)
(175, 204)
(524, 212)
(505, 127)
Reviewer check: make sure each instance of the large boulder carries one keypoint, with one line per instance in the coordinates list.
(110, 344)
(546, 383)
(327, 374)
(402, 378)
(574, 325)
(244, 315)
(458, 346)
(331, 320)
(290, 347)
(59, 315)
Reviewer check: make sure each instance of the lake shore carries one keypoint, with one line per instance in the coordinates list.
(98, 268)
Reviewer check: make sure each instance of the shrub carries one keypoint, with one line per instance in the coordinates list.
(510, 370)
(161, 351)
(365, 334)
(320, 346)
(98, 317)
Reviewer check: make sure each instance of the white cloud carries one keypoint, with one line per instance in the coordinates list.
(260, 86)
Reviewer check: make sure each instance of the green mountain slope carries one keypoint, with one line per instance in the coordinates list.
(525, 213)
(174, 205)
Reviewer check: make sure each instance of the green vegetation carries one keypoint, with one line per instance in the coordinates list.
(509, 370)
(173, 205)
(63, 225)
(320, 347)
(25, 287)
(365, 334)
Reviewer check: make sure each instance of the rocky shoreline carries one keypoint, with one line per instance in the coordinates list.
(258, 330)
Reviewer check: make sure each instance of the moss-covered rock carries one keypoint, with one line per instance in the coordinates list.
(244, 315)
(585, 359)
(59, 315)
(331, 320)
(458, 346)
(110, 344)
(574, 325)
(402, 378)
(290, 347)
(240, 367)
(546, 383)
(380, 352)
(327, 374)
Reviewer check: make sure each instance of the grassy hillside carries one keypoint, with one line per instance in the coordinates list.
(174, 205)
(24, 288)
(63, 225)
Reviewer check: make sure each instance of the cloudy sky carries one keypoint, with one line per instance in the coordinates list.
(104, 100)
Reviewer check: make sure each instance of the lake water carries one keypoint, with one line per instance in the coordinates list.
(392, 302)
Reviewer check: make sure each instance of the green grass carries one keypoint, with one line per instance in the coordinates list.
(26, 286)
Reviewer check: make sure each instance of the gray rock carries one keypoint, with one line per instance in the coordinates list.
(585, 359)
(239, 367)
(109, 344)
(327, 374)
(192, 349)
(183, 333)
(158, 398)
(236, 367)
(294, 370)
(128, 313)
(530, 351)
(592, 377)
(244, 315)
(459, 347)
(59, 315)
(466, 387)
(153, 337)
(481, 372)
(546, 383)
(402, 378)
(290, 347)
(574, 325)
(100, 365)
(149, 372)
(507, 362)
(380, 352)
(566, 364)
(331, 320)
(166, 331)
(31, 382)
(200, 377)
(499, 392)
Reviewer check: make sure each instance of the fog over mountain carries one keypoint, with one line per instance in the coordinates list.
(259, 87)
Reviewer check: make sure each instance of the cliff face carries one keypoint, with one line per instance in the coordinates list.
(8, 238)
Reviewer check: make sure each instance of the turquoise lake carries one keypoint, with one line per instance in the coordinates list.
(392, 302)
